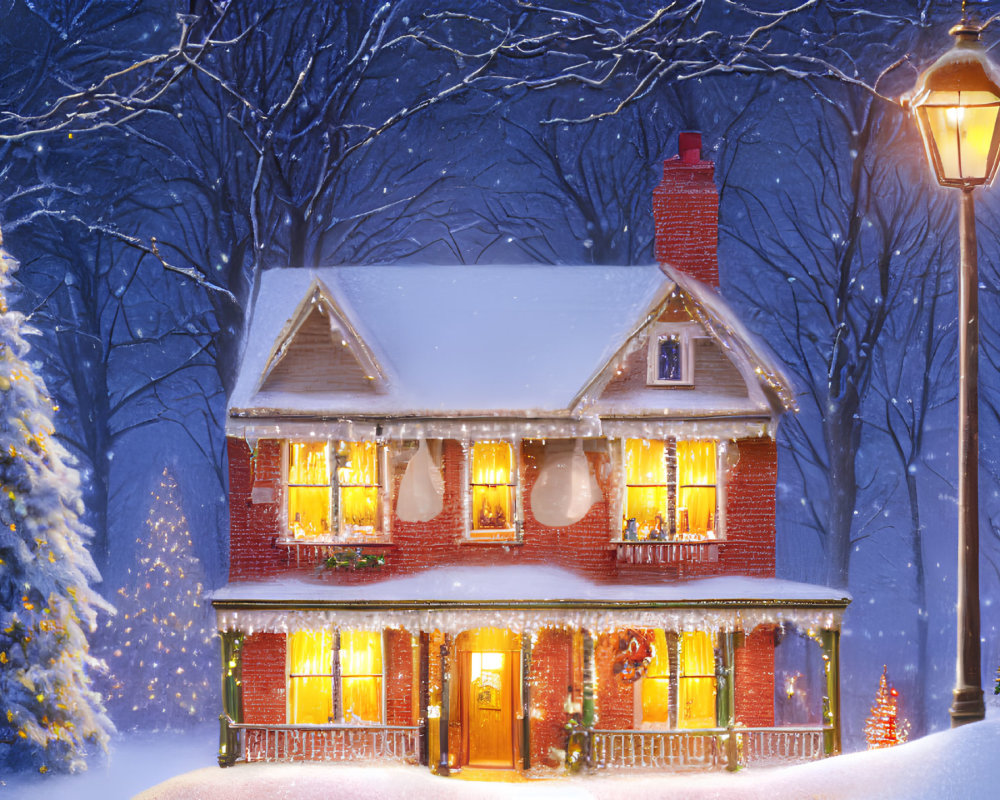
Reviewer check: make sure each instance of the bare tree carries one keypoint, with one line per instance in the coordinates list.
(836, 242)
(913, 380)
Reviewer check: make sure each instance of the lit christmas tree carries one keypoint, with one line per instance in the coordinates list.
(50, 717)
(883, 729)
(160, 648)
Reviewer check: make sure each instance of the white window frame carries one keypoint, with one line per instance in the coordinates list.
(518, 527)
(336, 677)
(722, 468)
(685, 333)
(337, 534)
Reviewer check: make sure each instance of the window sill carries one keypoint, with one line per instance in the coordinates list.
(310, 552)
(503, 542)
(698, 551)
(318, 541)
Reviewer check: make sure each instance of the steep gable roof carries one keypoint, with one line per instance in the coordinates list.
(739, 365)
(319, 351)
(487, 341)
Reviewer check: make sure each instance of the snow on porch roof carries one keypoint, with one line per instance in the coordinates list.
(452, 599)
(518, 340)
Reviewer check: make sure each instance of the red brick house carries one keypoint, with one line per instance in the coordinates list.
(475, 510)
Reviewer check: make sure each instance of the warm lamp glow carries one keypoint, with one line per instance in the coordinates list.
(956, 103)
(492, 490)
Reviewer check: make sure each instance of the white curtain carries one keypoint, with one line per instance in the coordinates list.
(421, 491)
(566, 487)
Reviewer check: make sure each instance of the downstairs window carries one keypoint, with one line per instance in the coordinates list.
(334, 676)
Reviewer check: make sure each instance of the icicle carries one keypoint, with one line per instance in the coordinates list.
(566, 487)
(421, 490)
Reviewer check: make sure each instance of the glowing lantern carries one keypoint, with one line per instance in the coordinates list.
(956, 103)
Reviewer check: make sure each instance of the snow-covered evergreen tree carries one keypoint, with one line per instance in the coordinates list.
(50, 716)
(160, 647)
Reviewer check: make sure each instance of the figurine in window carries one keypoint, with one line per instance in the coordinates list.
(631, 530)
(657, 534)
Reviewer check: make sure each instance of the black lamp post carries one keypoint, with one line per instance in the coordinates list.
(957, 103)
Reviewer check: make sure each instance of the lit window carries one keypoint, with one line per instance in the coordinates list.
(333, 490)
(361, 676)
(494, 485)
(310, 677)
(696, 683)
(670, 490)
(696, 488)
(656, 682)
(670, 360)
(334, 677)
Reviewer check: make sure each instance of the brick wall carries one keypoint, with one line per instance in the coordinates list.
(551, 684)
(750, 511)
(398, 672)
(264, 693)
(755, 678)
(582, 548)
(614, 699)
(686, 214)
(253, 527)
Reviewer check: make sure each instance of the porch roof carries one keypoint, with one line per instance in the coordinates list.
(525, 598)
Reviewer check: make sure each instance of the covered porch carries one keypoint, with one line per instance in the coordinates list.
(531, 669)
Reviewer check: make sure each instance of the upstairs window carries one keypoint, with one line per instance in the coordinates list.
(696, 489)
(334, 676)
(493, 487)
(670, 361)
(333, 490)
(670, 491)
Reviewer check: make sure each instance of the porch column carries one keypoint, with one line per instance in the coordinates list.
(445, 707)
(726, 696)
(232, 696)
(526, 699)
(589, 680)
(830, 641)
(423, 693)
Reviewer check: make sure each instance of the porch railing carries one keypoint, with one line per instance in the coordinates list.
(331, 742)
(705, 748)
(782, 744)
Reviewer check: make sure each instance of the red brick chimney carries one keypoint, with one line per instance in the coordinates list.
(686, 213)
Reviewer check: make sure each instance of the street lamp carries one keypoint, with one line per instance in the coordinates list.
(957, 104)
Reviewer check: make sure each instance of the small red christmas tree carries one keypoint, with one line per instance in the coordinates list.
(883, 728)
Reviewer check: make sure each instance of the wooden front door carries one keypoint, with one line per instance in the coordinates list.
(489, 693)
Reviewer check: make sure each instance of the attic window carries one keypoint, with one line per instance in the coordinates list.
(333, 491)
(671, 355)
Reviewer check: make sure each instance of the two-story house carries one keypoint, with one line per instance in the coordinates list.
(512, 517)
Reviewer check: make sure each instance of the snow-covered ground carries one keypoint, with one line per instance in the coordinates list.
(952, 765)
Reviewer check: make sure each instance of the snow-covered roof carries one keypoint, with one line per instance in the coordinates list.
(524, 597)
(449, 341)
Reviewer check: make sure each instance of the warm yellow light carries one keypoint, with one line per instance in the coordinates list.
(357, 478)
(656, 682)
(956, 103)
(696, 686)
(647, 492)
(492, 489)
(308, 489)
(696, 491)
(361, 675)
